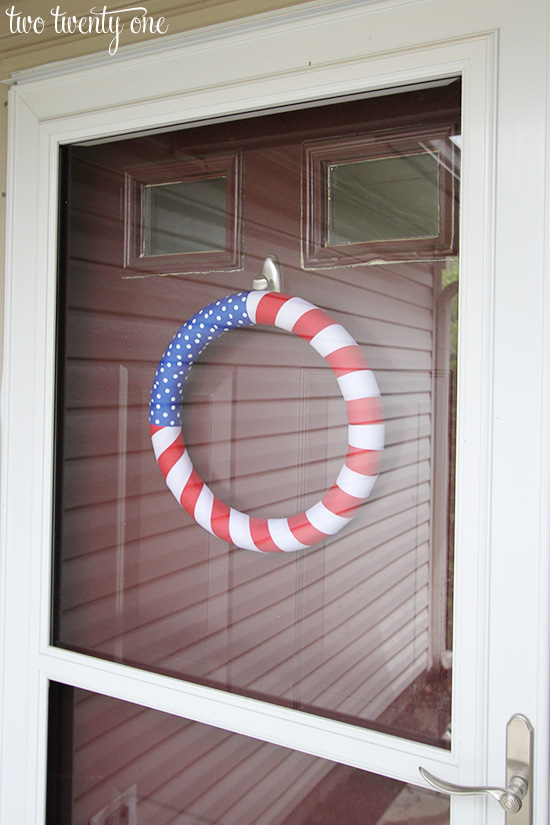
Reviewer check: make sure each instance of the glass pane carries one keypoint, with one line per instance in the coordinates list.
(188, 216)
(384, 199)
(358, 627)
(116, 763)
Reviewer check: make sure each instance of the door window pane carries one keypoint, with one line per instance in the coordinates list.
(357, 628)
(382, 196)
(384, 199)
(182, 214)
(189, 216)
(116, 763)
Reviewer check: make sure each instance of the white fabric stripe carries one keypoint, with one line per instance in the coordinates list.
(239, 530)
(252, 302)
(355, 484)
(366, 436)
(163, 438)
(203, 508)
(358, 384)
(330, 339)
(179, 474)
(283, 536)
(325, 520)
(291, 312)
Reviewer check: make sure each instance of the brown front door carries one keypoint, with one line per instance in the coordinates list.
(358, 201)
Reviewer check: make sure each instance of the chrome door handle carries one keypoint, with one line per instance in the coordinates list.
(516, 797)
(510, 798)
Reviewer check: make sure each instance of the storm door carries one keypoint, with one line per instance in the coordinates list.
(358, 203)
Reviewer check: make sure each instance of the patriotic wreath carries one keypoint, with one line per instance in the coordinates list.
(364, 410)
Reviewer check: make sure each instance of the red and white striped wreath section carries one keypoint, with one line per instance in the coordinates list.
(364, 410)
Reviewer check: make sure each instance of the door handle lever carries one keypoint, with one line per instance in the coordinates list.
(516, 797)
(509, 798)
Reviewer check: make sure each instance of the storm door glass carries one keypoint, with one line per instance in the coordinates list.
(125, 765)
(358, 627)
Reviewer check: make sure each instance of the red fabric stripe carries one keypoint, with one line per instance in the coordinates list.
(155, 428)
(220, 519)
(366, 462)
(365, 411)
(171, 454)
(269, 306)
(341, 503)
(191, 492)
(304, 531)
(311, 322)
(346, 359)
(261, 536)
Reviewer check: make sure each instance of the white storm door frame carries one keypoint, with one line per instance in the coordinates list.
(314, 52)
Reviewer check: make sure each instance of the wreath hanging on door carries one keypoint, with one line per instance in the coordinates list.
(363, 405)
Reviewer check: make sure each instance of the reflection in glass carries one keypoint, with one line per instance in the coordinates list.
(127, 764)
(358, 628)
(188, 216)
(381, 199)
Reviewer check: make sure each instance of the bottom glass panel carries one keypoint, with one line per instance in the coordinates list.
(116, 763)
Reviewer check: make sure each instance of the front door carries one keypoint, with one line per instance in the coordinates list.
(359, 202)
(305, 676)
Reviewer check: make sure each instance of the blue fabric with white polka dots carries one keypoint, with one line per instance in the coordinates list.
(185, 347)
